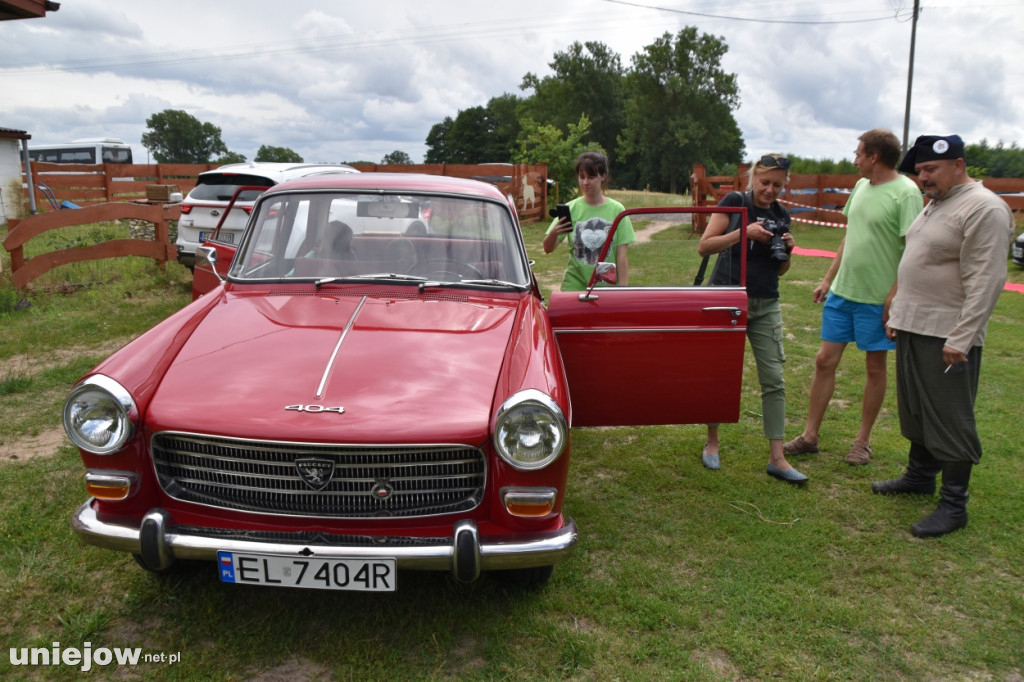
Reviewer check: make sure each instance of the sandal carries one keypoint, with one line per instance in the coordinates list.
(860, 453)
(800, 446)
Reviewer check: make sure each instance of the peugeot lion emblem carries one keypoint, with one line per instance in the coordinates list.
(382, 489)
(315, 472)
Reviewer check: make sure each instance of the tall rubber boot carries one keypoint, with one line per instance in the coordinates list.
(951, 514)
(919, 478)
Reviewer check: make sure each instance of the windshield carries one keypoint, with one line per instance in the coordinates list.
(324, 236)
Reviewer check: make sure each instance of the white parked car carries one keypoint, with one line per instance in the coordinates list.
(202, 209)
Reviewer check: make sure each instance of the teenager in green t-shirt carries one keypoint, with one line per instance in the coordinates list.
(592, 216)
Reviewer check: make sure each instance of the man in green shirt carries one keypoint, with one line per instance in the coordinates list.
(858, 288)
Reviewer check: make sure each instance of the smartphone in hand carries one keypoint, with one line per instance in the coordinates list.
(562, 211)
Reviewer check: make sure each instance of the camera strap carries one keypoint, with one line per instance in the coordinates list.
(734, 223)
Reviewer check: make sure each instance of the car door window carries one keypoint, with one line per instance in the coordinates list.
(661, 350)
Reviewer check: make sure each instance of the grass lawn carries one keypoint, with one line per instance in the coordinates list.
(680, 573)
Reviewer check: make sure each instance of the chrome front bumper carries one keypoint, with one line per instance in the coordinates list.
(464, 554)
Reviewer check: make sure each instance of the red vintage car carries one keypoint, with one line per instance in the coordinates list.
(351, 399)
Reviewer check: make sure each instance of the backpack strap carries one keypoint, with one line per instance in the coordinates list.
(734, 221)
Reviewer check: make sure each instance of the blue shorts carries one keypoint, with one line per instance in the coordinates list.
(844, 321)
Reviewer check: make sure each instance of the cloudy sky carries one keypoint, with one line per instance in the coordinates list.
(346, 81)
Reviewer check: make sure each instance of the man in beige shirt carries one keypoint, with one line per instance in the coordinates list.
(949, 279)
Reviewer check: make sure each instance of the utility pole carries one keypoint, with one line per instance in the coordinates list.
(910, 74)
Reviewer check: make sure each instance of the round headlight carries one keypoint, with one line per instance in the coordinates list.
(530, 430)
(100, 415)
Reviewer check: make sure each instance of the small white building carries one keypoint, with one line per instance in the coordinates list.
(12, 146)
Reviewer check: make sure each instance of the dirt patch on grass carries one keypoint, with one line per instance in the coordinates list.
(41, 445)
(644, 234)
(19, 365)
(295, 669)
(47, 442)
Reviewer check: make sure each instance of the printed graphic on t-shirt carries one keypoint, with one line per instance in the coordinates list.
(588, 239)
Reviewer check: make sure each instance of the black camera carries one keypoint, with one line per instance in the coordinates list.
(777, 245)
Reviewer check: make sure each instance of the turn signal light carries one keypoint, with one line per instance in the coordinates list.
(108, 486)
(529, 502)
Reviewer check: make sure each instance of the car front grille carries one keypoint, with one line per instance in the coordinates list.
(267, 476)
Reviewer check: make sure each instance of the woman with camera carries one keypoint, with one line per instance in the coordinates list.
(769, 245)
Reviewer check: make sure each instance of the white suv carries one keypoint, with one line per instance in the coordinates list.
(201, 210)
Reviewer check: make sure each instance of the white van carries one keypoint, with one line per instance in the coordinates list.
(92, 150)
(202, 209)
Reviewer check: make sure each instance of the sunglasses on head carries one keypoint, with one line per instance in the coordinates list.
(775, 161)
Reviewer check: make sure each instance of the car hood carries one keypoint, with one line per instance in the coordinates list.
(339, 368)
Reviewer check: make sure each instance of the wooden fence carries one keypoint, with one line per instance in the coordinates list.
(88, 184)
(20, 232)
(85, 185)
(119, 192)
(526, 183)
(817, 199)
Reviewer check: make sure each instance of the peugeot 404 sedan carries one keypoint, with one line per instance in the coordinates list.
(341, 403)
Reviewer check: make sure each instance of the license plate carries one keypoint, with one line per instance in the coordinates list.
(224, 238)
(360, 575)
(1018, 251)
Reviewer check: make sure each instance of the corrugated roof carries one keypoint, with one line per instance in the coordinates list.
(26, 9)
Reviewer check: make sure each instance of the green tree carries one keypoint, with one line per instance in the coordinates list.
(231, 157)
(397, 158)
(545, 143)
(827, 166)
(999, 161)
(437, 138)
(504, 123)
(587, 79)
(679, 104)
(279, 154)
(464, 140)
(477, 134)
(175, 136)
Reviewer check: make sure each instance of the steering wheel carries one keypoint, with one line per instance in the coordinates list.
(440, 268)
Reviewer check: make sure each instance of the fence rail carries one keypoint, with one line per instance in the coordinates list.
(88, 184)
(85, 184)
(119, 192)
(817, 198)
(21, 231)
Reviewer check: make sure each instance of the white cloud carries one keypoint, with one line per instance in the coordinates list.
(337, 81)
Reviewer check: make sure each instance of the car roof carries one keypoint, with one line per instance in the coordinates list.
(412, 182)
(279, 172)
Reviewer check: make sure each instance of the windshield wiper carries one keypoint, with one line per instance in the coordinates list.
(471, 282)
(389, 275)
(376, 275)
(488, 282)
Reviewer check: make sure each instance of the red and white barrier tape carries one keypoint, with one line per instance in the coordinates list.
(796, 218)
(813, 208)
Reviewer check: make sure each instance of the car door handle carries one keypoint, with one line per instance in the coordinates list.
(736, 312)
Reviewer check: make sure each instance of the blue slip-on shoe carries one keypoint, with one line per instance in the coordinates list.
(788, 475)
(710, 459)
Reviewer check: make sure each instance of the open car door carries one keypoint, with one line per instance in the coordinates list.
(661, 350)
(204, 279)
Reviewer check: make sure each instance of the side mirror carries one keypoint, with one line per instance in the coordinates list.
(207, 255)
(606, 273)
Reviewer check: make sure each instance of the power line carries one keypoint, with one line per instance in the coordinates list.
(708, 15)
